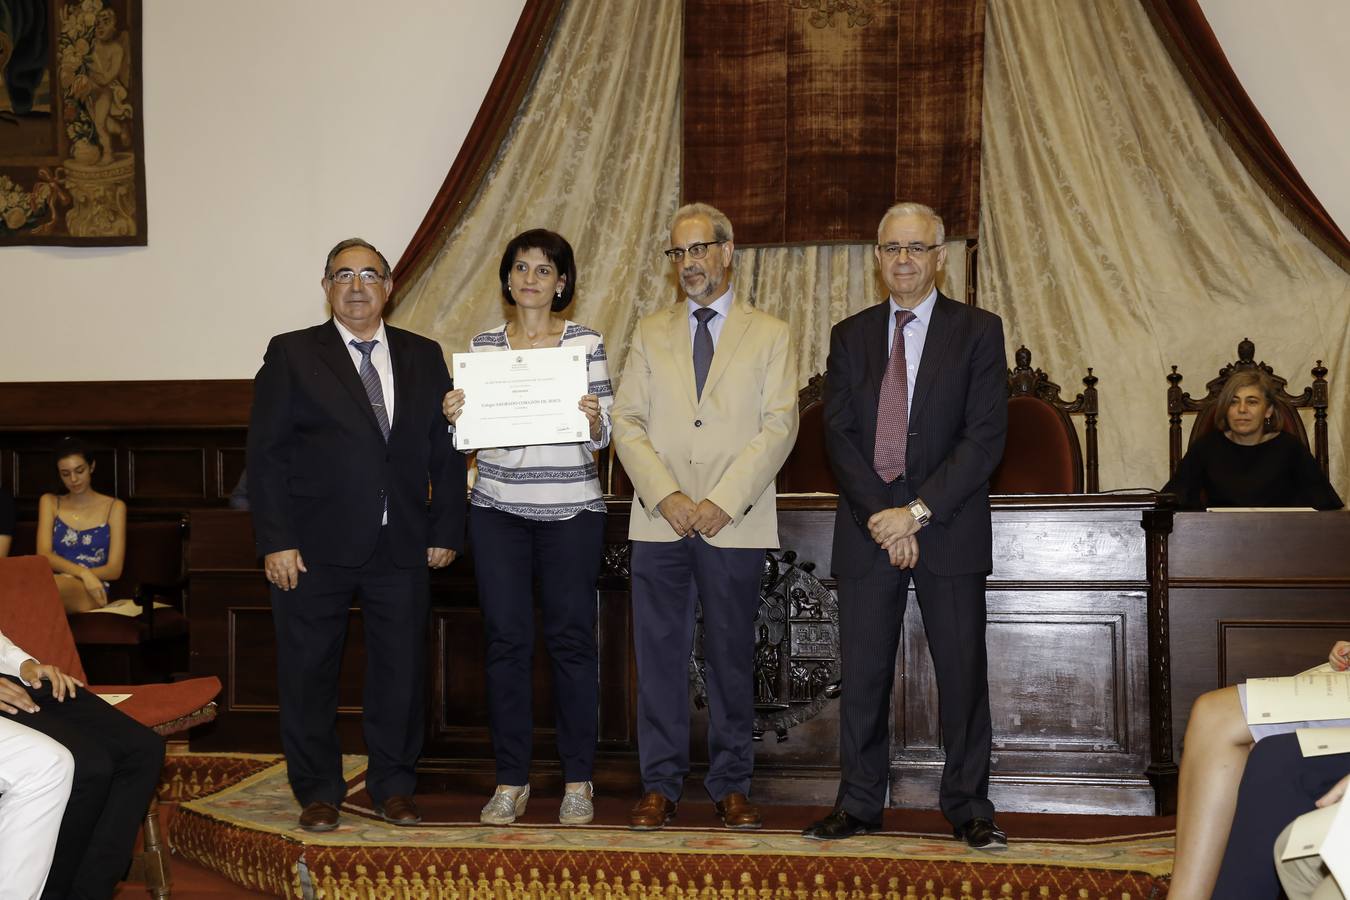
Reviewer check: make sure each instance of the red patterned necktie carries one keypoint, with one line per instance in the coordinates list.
(888, 457)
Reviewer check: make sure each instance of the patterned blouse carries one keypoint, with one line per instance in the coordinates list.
(547, 482)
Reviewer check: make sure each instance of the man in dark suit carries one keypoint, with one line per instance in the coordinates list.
(915, 419)
(345, 435)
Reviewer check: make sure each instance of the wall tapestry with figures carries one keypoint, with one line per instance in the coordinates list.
(72, 160)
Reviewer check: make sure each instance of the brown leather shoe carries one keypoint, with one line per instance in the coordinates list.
(401, 810)
(736, 811)
(652, 812)
(319, 816)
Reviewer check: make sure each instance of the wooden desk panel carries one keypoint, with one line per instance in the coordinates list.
(1252, 594)
(1067, 639)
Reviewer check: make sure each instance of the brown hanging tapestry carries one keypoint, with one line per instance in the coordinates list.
(805, 119)
(72, 159)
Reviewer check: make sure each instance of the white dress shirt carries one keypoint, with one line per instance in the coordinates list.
(379, 358)
(916, 332)
(384, 367)
(722, 306)
(12, 657)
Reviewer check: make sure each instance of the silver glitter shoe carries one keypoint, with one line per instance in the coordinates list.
(577, 808)
(506, 805)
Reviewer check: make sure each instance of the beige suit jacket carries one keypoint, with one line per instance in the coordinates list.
(726, 447)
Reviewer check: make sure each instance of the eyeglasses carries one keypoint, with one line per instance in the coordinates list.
(914, 250)
(345, 276)
(695, 251)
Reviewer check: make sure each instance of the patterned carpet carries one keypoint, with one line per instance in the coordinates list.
(244, 826)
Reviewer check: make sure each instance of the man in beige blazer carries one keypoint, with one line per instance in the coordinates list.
(705, 415)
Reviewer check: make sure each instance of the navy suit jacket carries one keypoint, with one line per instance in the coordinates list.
(958, 421)
(320, 472)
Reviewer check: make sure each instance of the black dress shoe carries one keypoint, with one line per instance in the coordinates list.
(982, 834)
(839, 824)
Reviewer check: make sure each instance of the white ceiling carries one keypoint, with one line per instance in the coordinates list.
(1293, 59)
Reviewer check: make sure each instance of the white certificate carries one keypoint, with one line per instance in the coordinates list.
(515, 398)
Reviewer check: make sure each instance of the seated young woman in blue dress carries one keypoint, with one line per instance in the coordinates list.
(81, 532)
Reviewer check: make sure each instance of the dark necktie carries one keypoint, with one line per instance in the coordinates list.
(888, 457)
(703, 347)
(371, 379)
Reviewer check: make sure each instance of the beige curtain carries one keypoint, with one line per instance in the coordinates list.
(812, 287)
(594, 155)
(1118, 230)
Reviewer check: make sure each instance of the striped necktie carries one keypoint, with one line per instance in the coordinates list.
(371, 380)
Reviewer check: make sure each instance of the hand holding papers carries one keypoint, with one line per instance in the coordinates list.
(521, 397)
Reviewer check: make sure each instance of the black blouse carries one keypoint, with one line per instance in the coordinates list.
(1277, 472)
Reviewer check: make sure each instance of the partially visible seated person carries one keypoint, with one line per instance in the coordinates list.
(1247, 460)
(36, 774)
(1279, 785)
(82, 533)
(6, 522)
(1214, 755)
(116, 770)
(1308, 877)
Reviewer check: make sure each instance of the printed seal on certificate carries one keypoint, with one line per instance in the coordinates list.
(515, 398)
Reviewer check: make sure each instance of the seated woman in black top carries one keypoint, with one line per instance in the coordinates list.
(1247, 460)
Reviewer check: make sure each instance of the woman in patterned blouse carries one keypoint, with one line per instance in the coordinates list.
(537, 514)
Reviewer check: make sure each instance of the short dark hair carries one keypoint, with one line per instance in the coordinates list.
(555, 247)
(1248, 378)
(347, 245)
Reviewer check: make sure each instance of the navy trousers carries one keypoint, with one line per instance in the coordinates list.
(510, 553)
(668, 579)
(311, 626)
(1278, 785)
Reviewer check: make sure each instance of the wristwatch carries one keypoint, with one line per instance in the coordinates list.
(922, 514)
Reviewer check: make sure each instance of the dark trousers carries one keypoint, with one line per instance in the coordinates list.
(871, 612)
(117, 765)
(1278, 785)
(510, 552)
(311, 624)
(668, 578)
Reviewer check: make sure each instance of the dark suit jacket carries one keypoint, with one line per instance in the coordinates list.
(957, 424)
(318, 469)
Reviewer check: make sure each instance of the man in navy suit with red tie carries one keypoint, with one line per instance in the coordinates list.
(916, 412)
(345, 436)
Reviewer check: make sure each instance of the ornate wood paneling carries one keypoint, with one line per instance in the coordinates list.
(1067, 637)
(162, 445)
(1251, 594)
